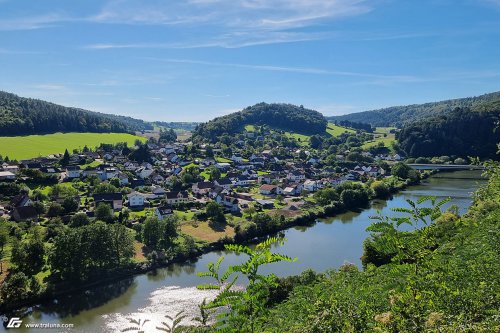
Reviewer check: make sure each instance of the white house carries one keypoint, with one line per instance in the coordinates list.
(225, 183)
(202, 188)
(237, 158)
(310, 185)
(73, 171)
(295, 176)
(7, 175)
(135, 199)
(176, 197)
(163, 212)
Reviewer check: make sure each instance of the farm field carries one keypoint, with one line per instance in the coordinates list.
(24, 147)
(382, 134)
(335, 130)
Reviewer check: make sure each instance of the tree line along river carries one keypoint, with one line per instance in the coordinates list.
(327, 244)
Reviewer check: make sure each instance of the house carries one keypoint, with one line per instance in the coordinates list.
(265, 204)
(230, 203)
(163, 212)
(123, 178)
(175, 197)
(225, 183)
(7, 175)
(24, 213)
(295, 176)
(293, 189)
(202, 188)
(137, 183)
(144, 172)
(242, 181)
(112, 199)
(237, 158)
(159, 192)
(268, 189)
(21, 200)
(311, 185)
(73, 171)
(135, 199)
(12, 168)
(215, 191)
(222, 166)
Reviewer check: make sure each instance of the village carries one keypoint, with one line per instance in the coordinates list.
(174, 183)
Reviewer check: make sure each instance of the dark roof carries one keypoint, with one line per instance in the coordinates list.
(175, 194)
(73, 167)
(165, 210)
(224, 181)
(204, 185)
(18, 199)
(107, 196)
(26, 212)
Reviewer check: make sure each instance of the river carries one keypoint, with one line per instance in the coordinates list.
(327, 244)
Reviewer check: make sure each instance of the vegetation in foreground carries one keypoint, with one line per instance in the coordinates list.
(440, 277)
(24, 147)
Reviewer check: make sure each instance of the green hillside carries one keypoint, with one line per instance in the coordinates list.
(463, 132)
(287, 117)
(24, 116)
(24, 147)
(400, 115)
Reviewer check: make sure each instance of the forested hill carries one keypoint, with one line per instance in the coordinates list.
(462, 132)
(283, 116)
(400, 115)
(24, 116)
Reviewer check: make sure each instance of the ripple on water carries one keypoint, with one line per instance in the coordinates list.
(168, 300)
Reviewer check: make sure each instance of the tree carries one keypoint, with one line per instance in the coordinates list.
(55, 209)
(215, 212)
(104, 213)
(4, 238)
(151, 232)
(79, 220)
(214, 173)
(354, 198)
(123, 243)
(65, 160)
(28, 255)
(380, 189)
(105, 188)
(70, 205)
(400, 170)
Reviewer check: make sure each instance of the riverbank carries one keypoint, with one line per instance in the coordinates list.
(307, 218)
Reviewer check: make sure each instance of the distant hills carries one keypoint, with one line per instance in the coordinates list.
(399, 115)
(25, 116)
(286, 117)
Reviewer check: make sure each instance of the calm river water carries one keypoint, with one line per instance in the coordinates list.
(328, 244)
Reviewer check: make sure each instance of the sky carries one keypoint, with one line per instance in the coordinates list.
(193, 60)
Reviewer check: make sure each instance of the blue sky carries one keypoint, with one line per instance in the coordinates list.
(192, 60)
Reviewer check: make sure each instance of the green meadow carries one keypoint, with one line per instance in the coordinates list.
(24, 147)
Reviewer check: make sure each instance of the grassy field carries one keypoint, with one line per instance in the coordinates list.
(202, 231)
(335, 130)
(381, 135)
(250, 128)
(24, 147)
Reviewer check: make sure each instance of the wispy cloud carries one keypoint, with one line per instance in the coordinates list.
(300, 70)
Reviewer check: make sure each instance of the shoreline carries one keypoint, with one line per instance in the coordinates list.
(309, 218)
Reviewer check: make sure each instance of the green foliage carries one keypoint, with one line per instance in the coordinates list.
(401, 170)
(84, 252)
(103, 212)
(247, 307)
(28, 255)
(462, 133)
(283, 116)
(400, 115)
(167, 136)
(176, 322)
(22, 116)
(160, 234)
